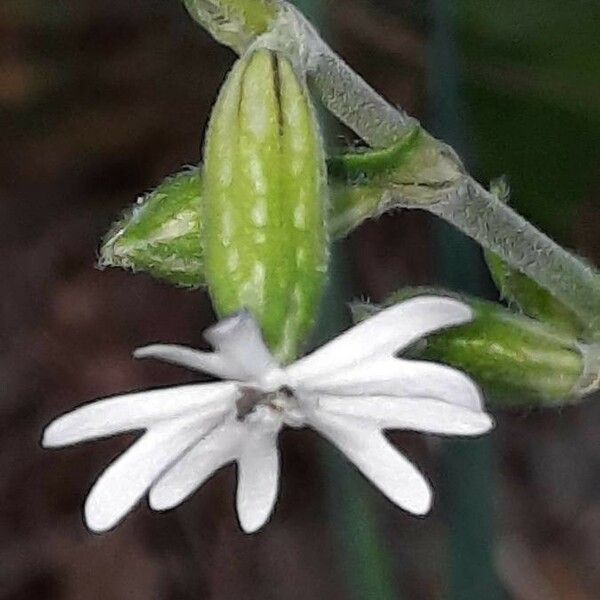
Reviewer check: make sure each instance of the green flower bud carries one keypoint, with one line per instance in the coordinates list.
(358, 190)
(518, 361)
(160, 235)
(263, 210)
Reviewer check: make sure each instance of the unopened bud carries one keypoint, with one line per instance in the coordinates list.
(160, 235)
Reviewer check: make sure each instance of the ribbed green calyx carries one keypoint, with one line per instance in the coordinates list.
(263, 210)
(160, 234)
(517, 360)
(139, 240)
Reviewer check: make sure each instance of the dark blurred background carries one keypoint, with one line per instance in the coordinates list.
(99, 101)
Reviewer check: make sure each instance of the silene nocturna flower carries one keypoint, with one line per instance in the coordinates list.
(350, 391)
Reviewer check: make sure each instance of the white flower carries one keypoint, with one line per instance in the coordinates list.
(349, 390)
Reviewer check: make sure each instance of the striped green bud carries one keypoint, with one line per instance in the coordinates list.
(263, 211)
(160, 235)
(146, 239)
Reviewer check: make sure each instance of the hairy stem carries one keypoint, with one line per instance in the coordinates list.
(497, 227)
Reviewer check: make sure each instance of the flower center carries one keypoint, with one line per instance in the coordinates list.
(282, 401)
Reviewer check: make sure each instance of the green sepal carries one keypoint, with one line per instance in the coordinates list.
(524, 293)
(531, 298)
(518, 361)
(160, 234)
(355, 167)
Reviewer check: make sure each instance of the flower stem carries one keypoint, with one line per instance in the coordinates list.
(363, 555)
(497, 227)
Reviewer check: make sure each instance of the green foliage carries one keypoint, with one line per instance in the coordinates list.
(368, 183)
(532, 86)
(368, 164)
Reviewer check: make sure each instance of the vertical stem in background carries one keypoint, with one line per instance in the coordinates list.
(360, 551)
(469, 492)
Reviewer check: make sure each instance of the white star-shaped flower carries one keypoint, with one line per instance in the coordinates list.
(350, 390)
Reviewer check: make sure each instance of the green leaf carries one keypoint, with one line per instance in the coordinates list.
(366, 163)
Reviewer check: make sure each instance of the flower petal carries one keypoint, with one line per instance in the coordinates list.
(375, 457)
(127, 479)
(258, 477)
(219, 447)
(415, 414)
(239, 342)
(138, 411)
(388, 376)
(384, 334)
(196, 360)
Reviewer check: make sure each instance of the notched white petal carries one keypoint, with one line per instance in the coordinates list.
(219, 448)
(426, 415)
(196, 360)
(382, 335)
(128, 478)
(374, 456)
(258, 479)
(139, 410)
(389, 376)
